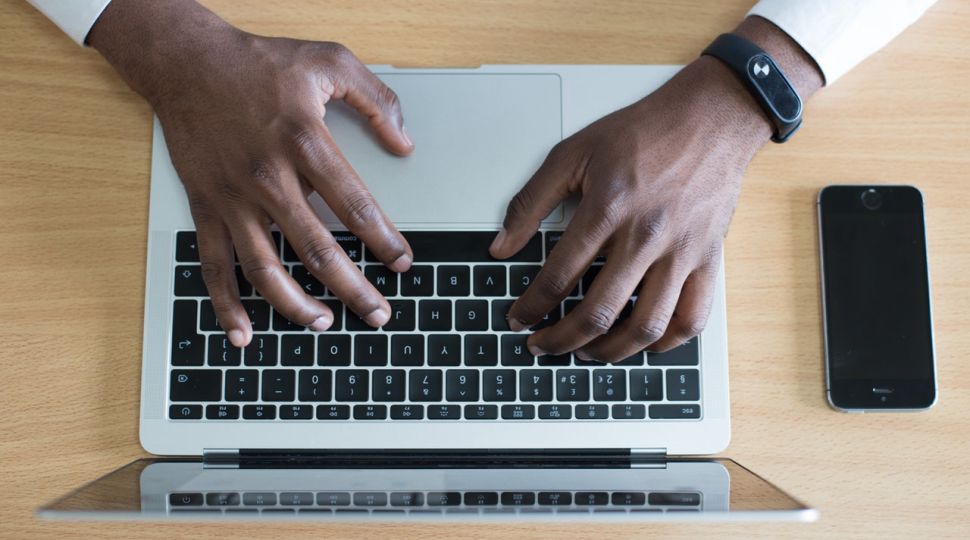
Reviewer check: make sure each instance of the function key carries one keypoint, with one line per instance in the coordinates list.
(259, 412)
(675, 412)
(481, 498)
(259, 499)
(683, 385)
(444, 412)
(370, 499)
(489, 280)
(296, 498)
(518, 498)
(453, 280)
(555, 498)
(189, 282)
(455, 246)
(407, 499)
(185, 499)
(222, 412)
(185, 412)
(592, 498)
(628, 498)
(407, 412)
(444, 498)
(418, 281)
(481, 412)
(186, 247)
(333, 498)
(296, 412)
(684, 355)
(592, 412)
(518, 412)
(222, 499)
(333, 412)
(623, 411)
(555, 412)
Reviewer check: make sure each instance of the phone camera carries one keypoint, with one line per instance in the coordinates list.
(871, 199)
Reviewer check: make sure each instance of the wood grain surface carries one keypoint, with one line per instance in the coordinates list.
(74, 164)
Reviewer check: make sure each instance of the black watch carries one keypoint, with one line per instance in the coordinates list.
(764, 79)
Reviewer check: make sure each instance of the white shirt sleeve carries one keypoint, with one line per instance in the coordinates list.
(74, 17)
(838, 34)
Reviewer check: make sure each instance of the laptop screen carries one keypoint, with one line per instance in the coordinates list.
(672, 490)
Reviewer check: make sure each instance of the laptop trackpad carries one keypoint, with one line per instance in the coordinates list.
(478, 138)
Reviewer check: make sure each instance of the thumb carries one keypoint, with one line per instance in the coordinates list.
(534, 202)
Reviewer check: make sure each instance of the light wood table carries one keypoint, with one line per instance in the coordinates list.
(74, 161)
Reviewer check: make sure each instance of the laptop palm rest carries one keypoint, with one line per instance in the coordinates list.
(478, 138)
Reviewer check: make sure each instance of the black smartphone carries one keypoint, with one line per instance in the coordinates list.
(876, 315)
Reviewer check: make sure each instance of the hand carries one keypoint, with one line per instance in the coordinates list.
(659, 181)
(243, 119)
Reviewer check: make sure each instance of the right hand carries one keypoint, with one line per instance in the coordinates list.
(243, 120)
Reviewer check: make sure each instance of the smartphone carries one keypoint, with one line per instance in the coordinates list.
(876, 313)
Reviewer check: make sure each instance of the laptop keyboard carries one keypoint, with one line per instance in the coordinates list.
(447, 352)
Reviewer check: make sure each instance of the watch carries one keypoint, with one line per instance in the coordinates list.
(763, 79)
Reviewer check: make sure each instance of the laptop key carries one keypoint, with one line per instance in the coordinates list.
(481, 412)
(370, 412)
(418, 281)
(370, 350)
(635, 359)
(282, 324)
(388, 385)
(297, 350)
(195, 385)
(498, 385)
(407, 499)
(675, 412)
(535, 385)
(207, 317)
(296, 498)
(407, 350)
(222, 352)
(424, 385)
(186, 247)
(471, 315)
(296, 412)
(515, 352)
(363, 498)
(407, 412)
(609, 385)
(684, 355)
(646, 385)
(683, 385)
(489, 280)
(461, 385)
(279, 384)
(333, 350)
(307, 281)
(185, 499)
(453, 280)
(481, 498)
(520, 277)
(481, 350)
(333, 498)
(351, 385)
(555, 498)
(592, 498)
(185, 412)
(351, 245)
(382, 278)
(572, 385)
(628, 498)
(674, 499)
(258, 311)
(444, 350)
(625, 411)
(333, 412)
(555, 412)
(259, 412)
(188, 347)
(259, 499)
(592, 412)
(222, 499)
(444, 498)
(222, 412)
(555, 359)
(337, 308)
(518, 412)
(402, 316)
(549, 319)
(434, 315)
(188, 281)
(315, 384)
(518, 498)
(444, 412)
(241, 384)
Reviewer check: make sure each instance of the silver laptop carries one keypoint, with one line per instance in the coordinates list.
(444, 401)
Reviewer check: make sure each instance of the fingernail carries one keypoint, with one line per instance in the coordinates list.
(517, 325)
(584, 356)
(322, 323)
(401, 264)
(237, 338)
(537, 351)
(404, 131)
(499, 240)
(378, 317)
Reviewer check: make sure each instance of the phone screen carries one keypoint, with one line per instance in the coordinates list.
(879, 341)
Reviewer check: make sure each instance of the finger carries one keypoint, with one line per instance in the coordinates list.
(567, 262)
(219, 273)
(362, 90)
(261, 266)
(599, 308)
(328, 262)
(693, 308)
(535, 201)
(649, 320)
(325, 168)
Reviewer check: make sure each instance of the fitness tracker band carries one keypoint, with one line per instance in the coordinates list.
(764, 79)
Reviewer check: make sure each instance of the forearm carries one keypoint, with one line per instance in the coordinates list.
(140, 38)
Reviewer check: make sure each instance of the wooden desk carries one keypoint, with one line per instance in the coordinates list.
(74, 161)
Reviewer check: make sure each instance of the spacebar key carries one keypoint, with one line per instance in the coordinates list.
(463, 246)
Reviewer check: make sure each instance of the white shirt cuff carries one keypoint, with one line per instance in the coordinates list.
(838, 34)
(74, 17)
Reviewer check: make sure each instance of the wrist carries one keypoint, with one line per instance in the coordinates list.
(157, 46)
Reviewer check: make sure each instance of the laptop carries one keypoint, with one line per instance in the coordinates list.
(442, 413)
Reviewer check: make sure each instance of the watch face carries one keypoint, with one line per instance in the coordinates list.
(777, 92)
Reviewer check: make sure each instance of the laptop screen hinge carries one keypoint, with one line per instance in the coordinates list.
(220, 458)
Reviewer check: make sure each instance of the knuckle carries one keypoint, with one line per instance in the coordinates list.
(650, 330)
(694, 325)
(261, 270)
(338, 52)
(650, 228)
(361, 210)
(264, 173)
(214, 275)
(305, 144)
(520, 204)
(321, 258)
(612, 213)
(388, 101)
(598, 320)
(552, 284)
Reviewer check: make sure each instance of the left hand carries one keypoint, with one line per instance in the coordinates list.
(659, 181)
